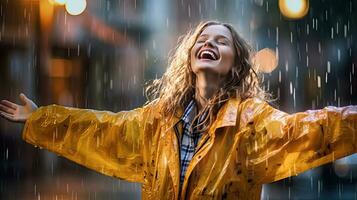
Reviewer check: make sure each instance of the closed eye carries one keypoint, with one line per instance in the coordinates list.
(222, 41)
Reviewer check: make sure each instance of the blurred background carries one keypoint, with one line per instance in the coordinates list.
(99, 54)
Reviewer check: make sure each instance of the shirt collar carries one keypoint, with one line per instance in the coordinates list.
(190, 112)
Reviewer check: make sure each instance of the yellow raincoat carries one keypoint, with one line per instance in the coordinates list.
(249, 144)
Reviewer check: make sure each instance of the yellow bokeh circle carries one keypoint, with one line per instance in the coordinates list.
(294, 9)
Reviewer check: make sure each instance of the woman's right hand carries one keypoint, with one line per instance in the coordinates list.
(15, 112)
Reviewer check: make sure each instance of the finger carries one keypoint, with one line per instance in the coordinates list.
(9, 104)
(7, 116)
(23, 98)
(7, 109)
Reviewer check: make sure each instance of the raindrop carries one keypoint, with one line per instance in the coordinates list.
(147, 55)
(277, 36)
(353, 68)
(337, 27)
(296, 72)
(338, 55)
(319, 47)
(189, 10)
(108, 6)
(328, 67)
(307, 61)
(154, 44)
(294, 99)
(318, 188)
(306, 47)
(311, 183)
(267, 6)
(289, 192)
(89, 48)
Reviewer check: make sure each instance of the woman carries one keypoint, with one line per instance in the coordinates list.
(206, 133)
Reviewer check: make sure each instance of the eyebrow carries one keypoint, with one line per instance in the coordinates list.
(219, 36)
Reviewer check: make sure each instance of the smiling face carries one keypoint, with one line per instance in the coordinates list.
(213, 51)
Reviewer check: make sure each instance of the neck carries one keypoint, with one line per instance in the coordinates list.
(206, 87)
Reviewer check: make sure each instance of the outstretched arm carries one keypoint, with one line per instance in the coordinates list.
(282, 145)
(109, 143)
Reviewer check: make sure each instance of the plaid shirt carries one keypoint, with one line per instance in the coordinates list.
(189, 139)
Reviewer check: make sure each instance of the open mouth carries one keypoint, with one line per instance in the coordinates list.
(208, 55)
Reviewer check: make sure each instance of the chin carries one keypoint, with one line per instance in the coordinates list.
(213, 69)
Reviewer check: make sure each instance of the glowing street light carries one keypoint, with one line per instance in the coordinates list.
(294, 9)
(75, 7)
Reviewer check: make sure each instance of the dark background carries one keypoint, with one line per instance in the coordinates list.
(102, 58)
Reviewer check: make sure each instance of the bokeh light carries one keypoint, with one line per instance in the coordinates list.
(76, 7)
(265, 60)
(294, 9)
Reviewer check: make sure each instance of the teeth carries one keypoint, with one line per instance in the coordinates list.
(208, 52)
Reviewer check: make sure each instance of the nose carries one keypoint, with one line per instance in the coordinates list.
(209, 43)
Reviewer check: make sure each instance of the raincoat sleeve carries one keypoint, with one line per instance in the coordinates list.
(110, 143)
(282, 145)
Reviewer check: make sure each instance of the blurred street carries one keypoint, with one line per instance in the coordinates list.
(99, 54)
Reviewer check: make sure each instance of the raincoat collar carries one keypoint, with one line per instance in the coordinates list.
(226, 116)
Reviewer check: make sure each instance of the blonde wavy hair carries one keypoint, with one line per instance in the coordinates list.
(176, 88)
